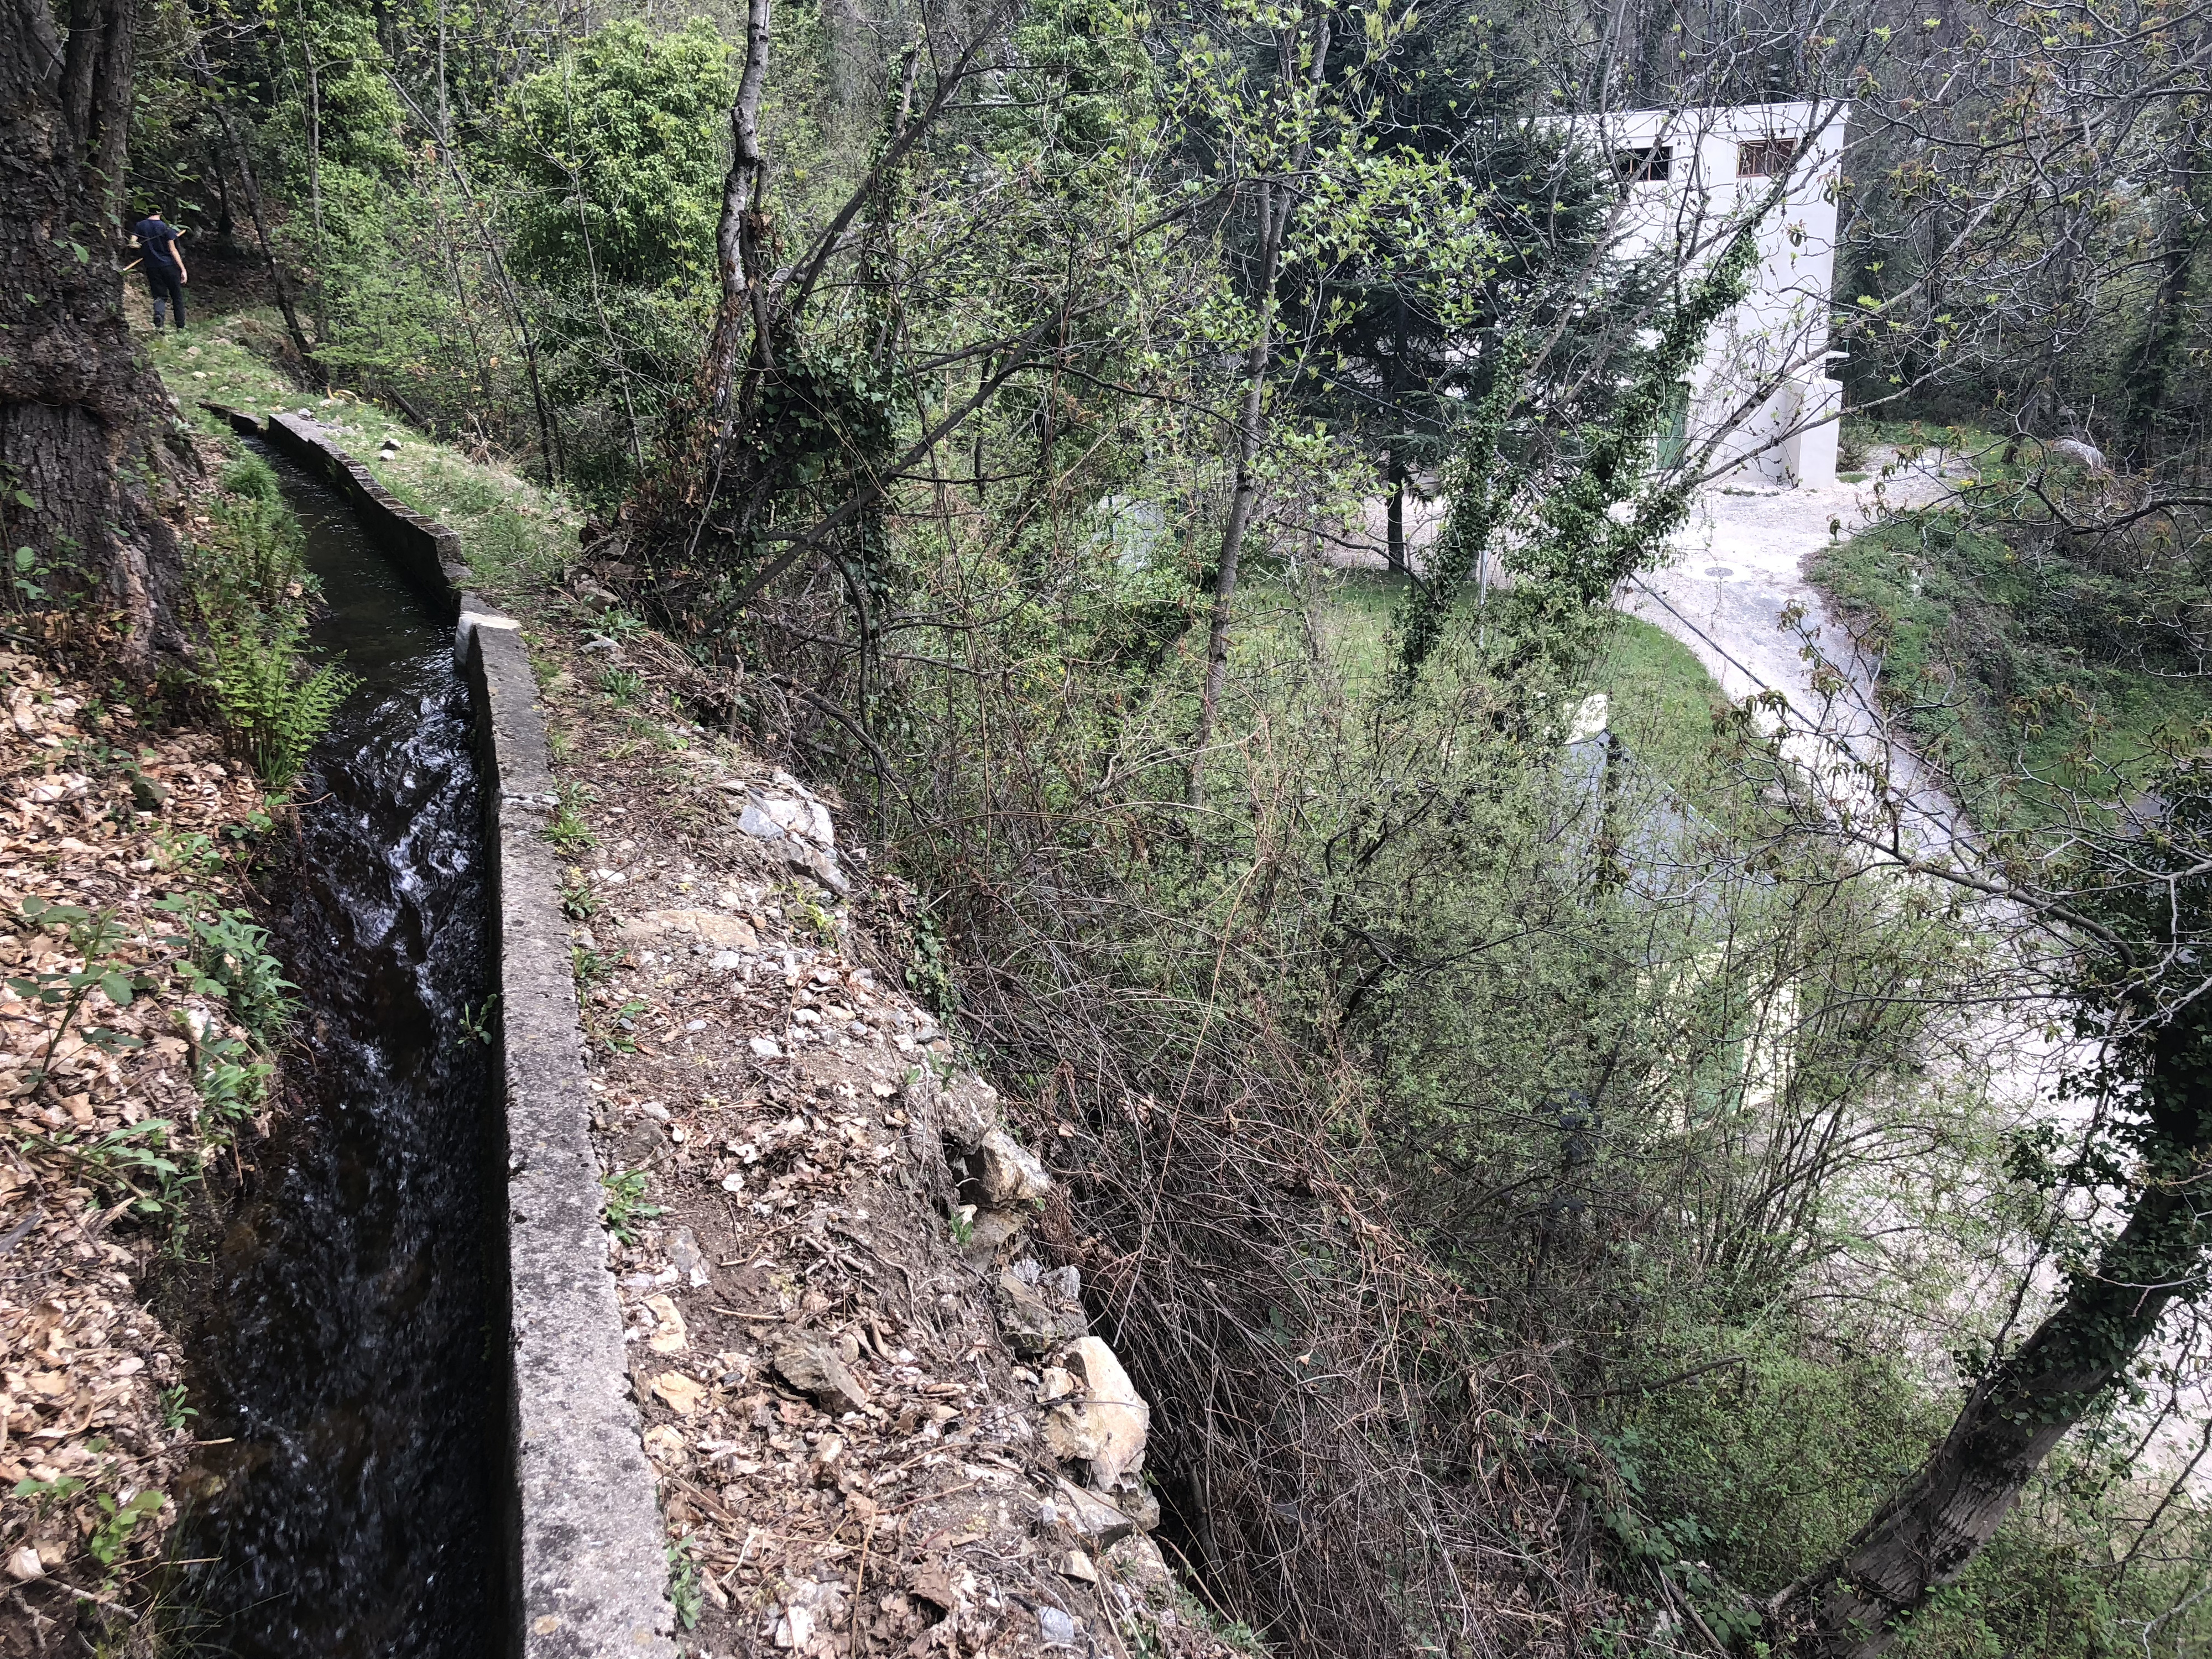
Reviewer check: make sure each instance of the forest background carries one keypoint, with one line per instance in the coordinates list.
(1561, 1193)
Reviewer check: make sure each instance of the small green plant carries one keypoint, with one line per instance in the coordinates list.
(228, 957)
(683, 1589)
(276, 713)
(578, 902)
(250, 477)
(588, 966)
(623, 686)
(175, 1412)
(476, 1022)
(801, 908)
(251, 828)
(190, 851)
(133, 1158)
(29, 577)
(91, 936)
(626, 1206)
(249, 586)
(112, 1536)
(562, 744)
(48, 1493)
(616, 1033)
(233, 1085)
(929, 974)
(567, 829)
(964, 1225)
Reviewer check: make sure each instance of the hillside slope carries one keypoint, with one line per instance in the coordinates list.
(879, 1421)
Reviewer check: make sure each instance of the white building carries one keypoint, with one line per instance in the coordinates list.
(1692, 176)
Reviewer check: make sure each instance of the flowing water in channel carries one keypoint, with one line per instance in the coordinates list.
(348, 1343)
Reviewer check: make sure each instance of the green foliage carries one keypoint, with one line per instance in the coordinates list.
(1566, 1026)
(28, 578)
(616, 1031)
(230, 958)
(132, 1158)
(250, 591)
(684, 1592)
(90, 935)
(111, 1536)
(479, 1021)
(2024, 663)
(513, 535)
(1606, 519)
(578, 902)
(1775, 1456)
(626, 1208)
(46, 1493)
(617, 150)
(928, 974)
(175, 1413)
(232, 1083)
(567, 829)
(276, 715)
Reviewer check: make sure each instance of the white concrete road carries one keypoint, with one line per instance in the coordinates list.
(1736, 592)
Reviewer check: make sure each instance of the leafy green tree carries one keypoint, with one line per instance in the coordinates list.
(615, 151)
(1405, 362)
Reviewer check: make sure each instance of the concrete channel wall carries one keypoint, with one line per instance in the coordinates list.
(588, 1572)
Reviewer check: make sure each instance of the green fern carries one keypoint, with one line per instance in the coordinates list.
(251, 588)
(275, 712)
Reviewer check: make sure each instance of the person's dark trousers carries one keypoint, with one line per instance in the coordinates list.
(168, 290)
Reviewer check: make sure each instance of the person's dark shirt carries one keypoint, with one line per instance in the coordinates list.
(159, 243)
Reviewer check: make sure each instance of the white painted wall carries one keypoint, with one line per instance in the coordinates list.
(1763, 386)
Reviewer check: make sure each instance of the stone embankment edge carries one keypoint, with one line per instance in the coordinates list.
(586, 1552)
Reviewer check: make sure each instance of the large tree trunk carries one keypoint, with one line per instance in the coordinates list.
(1933, 1525)
(77, 412)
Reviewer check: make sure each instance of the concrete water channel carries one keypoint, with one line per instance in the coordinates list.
(350, 1344)
(411, 1351)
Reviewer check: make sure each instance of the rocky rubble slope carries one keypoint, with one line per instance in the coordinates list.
(879, 1421)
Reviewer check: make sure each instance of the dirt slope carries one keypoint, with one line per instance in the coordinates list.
(879, 1424)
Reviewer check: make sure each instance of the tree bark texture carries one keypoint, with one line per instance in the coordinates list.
(738, 237)
(1931, 1527)
(77, 412)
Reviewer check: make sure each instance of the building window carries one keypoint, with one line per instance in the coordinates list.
(1652, 165)
(1765, 158)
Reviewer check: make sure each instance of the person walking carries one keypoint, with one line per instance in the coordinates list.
(166, 275)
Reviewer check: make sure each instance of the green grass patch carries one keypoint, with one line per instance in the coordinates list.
(213, 362)
(1661, 701)
(516, 534)
(1354, 621)
(2022, 673)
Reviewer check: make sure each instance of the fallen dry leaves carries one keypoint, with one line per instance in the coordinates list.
(102, 1132)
